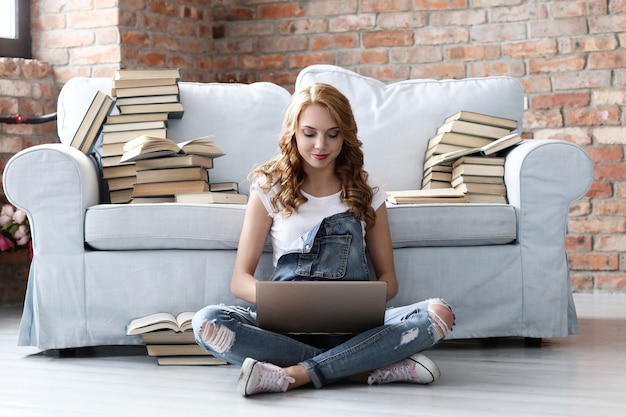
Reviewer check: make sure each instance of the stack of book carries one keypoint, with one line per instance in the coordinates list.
(480, 178)
(462, 133)
(146, 100)
(171, 340)
(167, 171)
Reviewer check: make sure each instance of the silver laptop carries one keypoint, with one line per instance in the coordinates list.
(324, 307)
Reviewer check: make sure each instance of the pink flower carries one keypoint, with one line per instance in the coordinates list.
(19, 216)
(5, 243)
(21, 235)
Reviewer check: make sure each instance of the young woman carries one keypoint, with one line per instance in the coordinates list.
(318, 179)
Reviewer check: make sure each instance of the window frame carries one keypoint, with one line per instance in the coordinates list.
(20, 47)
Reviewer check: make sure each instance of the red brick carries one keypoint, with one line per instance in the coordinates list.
(536, 84)
(402, 20)
(473, 52)
(363, 56)
(593, 261)
(440, 4)
(496, 68)
(303, 26)
(380, 38)
(499, 33)
(597, 225)
(610, 172)
(334, 41)
(304, 60)
(587, 44)
(332, 7)
(152, 59)
(465, 17)
(568, 8)
(577, 135)
(531, 48)
(580, 243)
(428, 36)
(134, 38)
(610, 135)
(525, 12)
(542, 119)
(613, 242)
(581, 282)
(351, 23)
(549, 101)
(416, 55)
(558, 63)
(610, 207)
(439, 71)
(596, 116)
(616, 59)
(280, 11)
(378, 6)
(613, 282)
(553, 28)
(282, 43)
(607, 24)
(262, 61)
(605, 153)
(164, 7)
(388, 73)
(580, 208)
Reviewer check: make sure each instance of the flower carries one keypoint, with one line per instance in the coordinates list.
(14, 227)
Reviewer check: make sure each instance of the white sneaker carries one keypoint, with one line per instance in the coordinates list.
(256, 377)
(416, 369)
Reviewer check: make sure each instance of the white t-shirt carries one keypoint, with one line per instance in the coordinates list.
(287, 229)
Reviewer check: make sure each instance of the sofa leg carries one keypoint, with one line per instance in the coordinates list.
(533, 342)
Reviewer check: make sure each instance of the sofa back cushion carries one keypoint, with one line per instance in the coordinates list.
(245, 119)
(396, 120)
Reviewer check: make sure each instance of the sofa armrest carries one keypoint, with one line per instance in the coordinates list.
(54, 184)
(543, 178)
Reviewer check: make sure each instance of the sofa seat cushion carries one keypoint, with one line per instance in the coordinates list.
(218, 226)
(415, 225)
(163, 226)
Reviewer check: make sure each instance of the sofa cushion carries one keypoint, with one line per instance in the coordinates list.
(396, 120)
(218, 226)
(414, 225)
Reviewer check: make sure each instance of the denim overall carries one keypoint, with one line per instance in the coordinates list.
(333, 250)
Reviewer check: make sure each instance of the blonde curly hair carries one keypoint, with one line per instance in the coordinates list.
(286, 172)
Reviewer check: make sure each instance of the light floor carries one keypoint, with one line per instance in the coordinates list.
(582, 375)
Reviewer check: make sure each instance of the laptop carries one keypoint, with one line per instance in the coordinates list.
(320, 307)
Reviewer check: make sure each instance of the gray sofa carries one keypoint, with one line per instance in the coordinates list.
(96, 266)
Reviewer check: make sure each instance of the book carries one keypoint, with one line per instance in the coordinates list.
(121, 196)
(135, 118)
(134, 74)
(481, 188)
(176, 161)
(476, 178)
(480, 160)
(486, 119)
(169, 188)
(172, 174)
(190, 360)
(140, 82)
(191, 349)
(147, 146)
(160, 321)
(168, 337)
(128, 135)
(502, 143)
(442, 195)
(174, 110)
(478, 169)
(212, 198)
(146, 100)
(138, 125)
(89, 128)
(458, 139)
(224, 186)
(121, 183)
(486, 198)
(153, 200)
(153, 90)
(117, 171)
(476, 129)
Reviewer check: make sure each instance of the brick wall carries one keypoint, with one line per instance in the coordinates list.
(569, 55)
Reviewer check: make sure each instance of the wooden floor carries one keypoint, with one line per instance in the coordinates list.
(582, 375)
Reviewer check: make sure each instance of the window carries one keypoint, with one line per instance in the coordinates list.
(15, 38)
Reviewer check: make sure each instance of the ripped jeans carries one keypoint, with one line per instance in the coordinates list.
(407, 330)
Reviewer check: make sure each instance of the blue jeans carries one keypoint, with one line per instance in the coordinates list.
(406, 331)
(332, 250)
